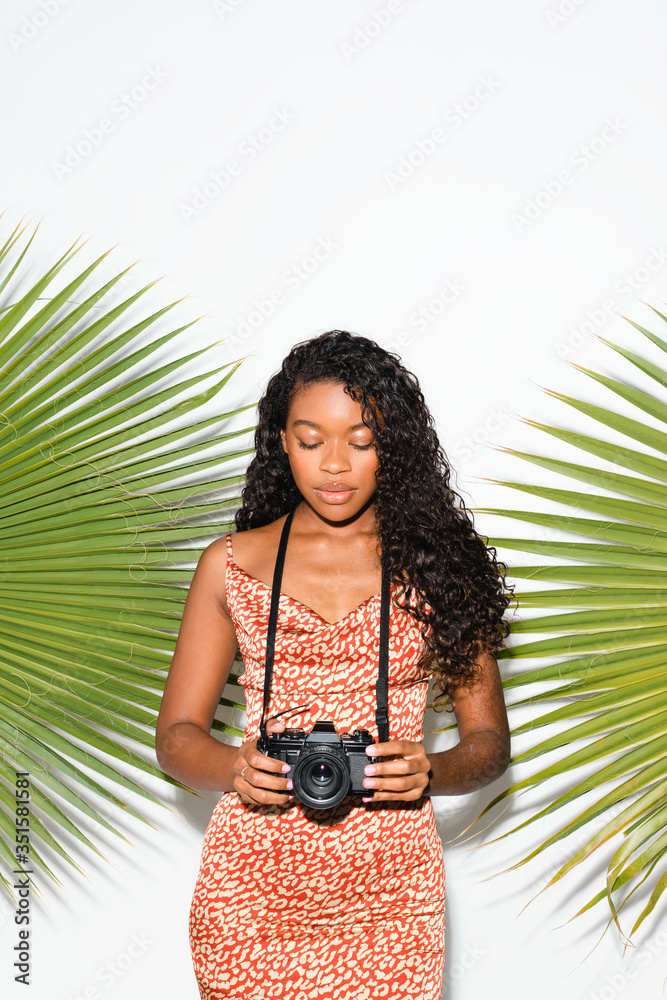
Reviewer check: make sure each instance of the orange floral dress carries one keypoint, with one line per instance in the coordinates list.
(306, 904)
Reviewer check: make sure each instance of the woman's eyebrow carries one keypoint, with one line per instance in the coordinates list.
(311, 423)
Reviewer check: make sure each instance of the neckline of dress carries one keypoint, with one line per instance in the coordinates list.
(354, 611)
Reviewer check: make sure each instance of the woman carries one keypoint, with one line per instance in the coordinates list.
(344, 902)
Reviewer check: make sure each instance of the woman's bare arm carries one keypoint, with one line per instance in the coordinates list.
(483, 751)
(203, 658)
(204, 654)
(481, 755)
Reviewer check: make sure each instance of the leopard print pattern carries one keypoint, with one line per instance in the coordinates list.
(306, 904)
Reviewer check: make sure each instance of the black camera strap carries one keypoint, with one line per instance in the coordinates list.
(382, 686)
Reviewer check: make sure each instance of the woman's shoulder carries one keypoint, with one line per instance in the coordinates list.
(253, 550)
(244, 541)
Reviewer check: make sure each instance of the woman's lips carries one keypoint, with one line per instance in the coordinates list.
(334, 496)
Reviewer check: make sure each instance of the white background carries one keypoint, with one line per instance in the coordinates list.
(533, 219)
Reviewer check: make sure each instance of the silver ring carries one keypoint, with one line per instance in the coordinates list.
(244, 769)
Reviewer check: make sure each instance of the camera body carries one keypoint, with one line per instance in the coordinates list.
(326, 766)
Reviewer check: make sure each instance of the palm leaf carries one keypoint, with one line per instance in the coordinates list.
(603, 663)
(116, 468)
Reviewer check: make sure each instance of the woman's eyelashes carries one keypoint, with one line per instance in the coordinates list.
(359, 447)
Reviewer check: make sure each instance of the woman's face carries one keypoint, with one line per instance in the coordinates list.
(331, 452)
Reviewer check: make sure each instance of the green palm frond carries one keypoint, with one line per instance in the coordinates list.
(115, 471)
(607, 629)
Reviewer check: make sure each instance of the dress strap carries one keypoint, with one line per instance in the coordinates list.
(230, 561)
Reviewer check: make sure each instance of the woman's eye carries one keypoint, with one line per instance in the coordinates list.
(359, 447)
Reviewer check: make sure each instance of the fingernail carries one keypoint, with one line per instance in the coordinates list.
(370, 799)
(286, 767)
(370, 769)
(289, 784)
(371, 750)
(369, 783)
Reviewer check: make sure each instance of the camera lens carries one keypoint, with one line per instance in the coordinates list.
(322, 774)
(321, 779)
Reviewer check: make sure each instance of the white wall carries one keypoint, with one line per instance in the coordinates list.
(539, 206)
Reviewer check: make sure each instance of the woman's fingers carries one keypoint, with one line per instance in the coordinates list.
(259, 779)
(400, 770)
(408, 758)
(406, 787)
(262, 779)
(399, 784)
(405, 776)
(403, 748)
(262, 797)
(262, 794)
(275, 726)
(402, 765)
(260, 762)
(410, 795)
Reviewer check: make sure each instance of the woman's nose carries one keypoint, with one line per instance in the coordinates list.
(334, 458)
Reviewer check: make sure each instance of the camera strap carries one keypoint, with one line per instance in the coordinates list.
(382, 685)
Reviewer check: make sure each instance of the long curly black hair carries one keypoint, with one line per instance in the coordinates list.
(428, 544)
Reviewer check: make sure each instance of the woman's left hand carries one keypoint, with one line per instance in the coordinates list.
(405, 777)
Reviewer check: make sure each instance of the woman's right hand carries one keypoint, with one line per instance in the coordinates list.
(253, 784)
